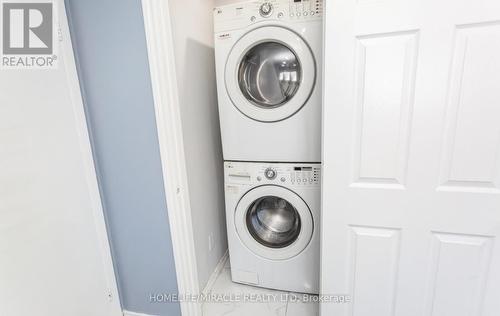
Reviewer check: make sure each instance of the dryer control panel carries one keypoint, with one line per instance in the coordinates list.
(287, 174)
(239, 15)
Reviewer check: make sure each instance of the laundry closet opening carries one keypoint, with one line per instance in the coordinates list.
(249, 91)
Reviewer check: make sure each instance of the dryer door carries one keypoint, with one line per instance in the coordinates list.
(274, 222)
(270, 74)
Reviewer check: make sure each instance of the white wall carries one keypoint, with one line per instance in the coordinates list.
(195, 65)
(224, 2)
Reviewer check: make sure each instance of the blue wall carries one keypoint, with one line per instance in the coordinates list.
(110, 49)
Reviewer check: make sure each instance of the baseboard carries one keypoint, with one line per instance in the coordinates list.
(218, 269)
(127, 313)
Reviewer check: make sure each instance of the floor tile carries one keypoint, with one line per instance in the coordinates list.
(244, 300)
(302, 305)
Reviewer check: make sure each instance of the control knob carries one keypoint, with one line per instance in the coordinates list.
(266, 9)
(270, 173)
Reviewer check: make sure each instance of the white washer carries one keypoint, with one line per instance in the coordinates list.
(272, 213)
(268, 56)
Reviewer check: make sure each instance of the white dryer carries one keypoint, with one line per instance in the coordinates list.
(268, 56)
(272, 213)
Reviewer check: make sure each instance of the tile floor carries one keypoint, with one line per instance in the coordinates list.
(277, 303)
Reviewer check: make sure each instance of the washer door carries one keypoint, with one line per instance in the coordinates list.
(273, 222)
(270, 74)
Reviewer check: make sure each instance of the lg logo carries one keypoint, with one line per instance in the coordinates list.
(27, 28)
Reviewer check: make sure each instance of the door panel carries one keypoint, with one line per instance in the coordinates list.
(463, 260)
(54, 253)
(374, 259)
(411, 192)
(382, 136)
(469, 164)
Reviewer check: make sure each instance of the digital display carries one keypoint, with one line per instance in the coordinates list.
(302, 168)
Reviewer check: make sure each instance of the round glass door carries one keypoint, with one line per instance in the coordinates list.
(273, 222)
(269, 74)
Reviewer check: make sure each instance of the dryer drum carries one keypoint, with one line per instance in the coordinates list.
(269, 74)
(273, 222)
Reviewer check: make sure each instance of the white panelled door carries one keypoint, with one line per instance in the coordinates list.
(54, 253)
(411, 188)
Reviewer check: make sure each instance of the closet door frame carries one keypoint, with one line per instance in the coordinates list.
(157, 22)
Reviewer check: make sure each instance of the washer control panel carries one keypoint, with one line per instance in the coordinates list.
(290, 174)
(298, 174)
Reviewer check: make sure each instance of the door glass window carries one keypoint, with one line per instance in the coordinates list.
(273, 222)
(269, 74)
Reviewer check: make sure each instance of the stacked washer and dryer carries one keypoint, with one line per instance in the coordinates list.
(268, 78)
